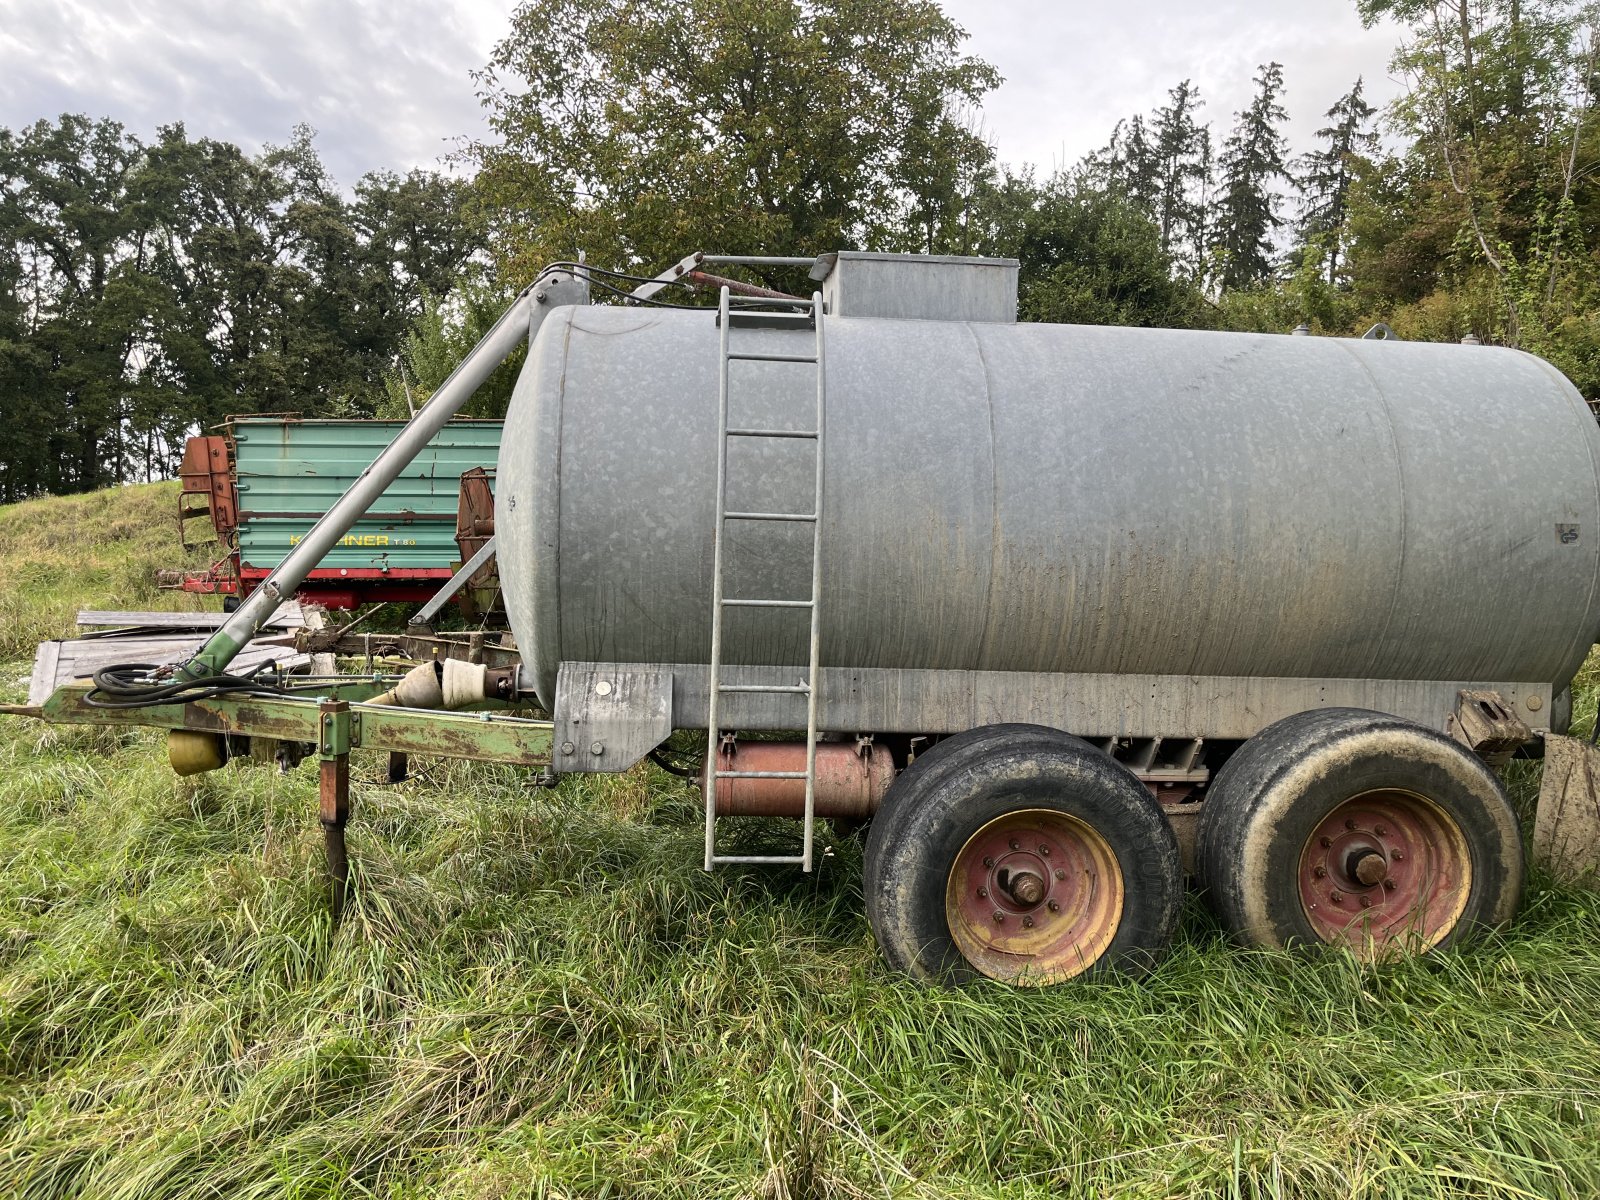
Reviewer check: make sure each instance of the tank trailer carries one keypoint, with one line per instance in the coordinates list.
(1068, 613)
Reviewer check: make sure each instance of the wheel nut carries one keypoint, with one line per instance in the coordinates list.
(1053, 906)
(1324, 842)
(1321, 872)
(1015, 845)
(1336, 897)
(1398, 855)
(1027, 922)
(1366, 902)
(999, 918)
(983, 893)
(1350, 823)
(1060, 874)
(988, 862)
(1044, 850)
(1389, 885)
(1379, 830)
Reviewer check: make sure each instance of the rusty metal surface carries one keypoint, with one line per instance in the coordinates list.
(1384, 870)
(208, 491)
(1487, 725)
(333, 793)
(475, 523)
(850, 783)
(1094, 501)
(485, 736)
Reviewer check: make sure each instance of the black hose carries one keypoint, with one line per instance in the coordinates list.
(678, 769)
(129, 685)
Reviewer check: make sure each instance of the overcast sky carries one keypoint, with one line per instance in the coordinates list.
(386, 83)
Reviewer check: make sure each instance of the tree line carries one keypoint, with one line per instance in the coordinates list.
(205, 280)
(149, 289)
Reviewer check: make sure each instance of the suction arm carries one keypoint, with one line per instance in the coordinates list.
(551, 290)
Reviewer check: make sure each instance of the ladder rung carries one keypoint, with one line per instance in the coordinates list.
(736, 303)
(776, 317)
(767, 604)
(761, 774)
(778, 859)
(774, 433)
(799, 688)
(788, 358)
(755, 516)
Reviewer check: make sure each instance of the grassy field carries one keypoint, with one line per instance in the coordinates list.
(540, 994)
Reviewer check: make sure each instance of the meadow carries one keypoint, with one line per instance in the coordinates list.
(538, 993)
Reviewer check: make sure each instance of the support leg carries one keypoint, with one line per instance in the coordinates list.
(335, 800)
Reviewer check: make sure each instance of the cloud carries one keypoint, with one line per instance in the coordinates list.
(1074, 69)
(387, 83)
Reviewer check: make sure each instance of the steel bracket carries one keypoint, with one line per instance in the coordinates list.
(607, 719)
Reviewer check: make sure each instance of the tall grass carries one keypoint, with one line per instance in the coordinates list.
(99, 550)
(539, 993)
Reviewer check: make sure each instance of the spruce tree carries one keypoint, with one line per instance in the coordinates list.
(1328, 171)
(1182, 151)
(1252, 162)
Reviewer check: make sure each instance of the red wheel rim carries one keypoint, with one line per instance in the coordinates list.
(1385, 872)
(1034, 897)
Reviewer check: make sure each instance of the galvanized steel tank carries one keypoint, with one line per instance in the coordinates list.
(1024, 497)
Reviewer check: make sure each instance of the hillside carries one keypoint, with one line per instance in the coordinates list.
(540, 993)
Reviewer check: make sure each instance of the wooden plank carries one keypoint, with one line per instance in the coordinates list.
(288, 616)
(56, 663)
(45, 659)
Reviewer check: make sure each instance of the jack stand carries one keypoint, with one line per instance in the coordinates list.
(334, 781)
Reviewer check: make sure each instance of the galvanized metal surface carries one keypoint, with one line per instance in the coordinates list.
(930, 287)
(1104, 502)
(1091, 706)
(607, 721)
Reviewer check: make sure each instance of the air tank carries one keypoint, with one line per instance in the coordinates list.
(1030, 497)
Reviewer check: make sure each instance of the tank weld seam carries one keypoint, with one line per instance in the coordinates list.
(1400, 485)
(995, 534)
(1582, 640)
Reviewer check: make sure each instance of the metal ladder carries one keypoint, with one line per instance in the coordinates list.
(764, 313)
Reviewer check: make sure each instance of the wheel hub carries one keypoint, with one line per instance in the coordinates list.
(1034, 897)
(1385, 871)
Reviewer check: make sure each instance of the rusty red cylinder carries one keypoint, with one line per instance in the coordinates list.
(850, 781)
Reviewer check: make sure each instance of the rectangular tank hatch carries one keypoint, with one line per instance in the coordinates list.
(918, 287)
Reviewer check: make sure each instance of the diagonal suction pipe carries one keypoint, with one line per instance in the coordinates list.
(553, 289)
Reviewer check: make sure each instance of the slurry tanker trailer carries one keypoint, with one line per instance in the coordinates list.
(1066, 613)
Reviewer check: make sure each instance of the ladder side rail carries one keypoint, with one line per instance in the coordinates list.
(814, 677)
(715, 673)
